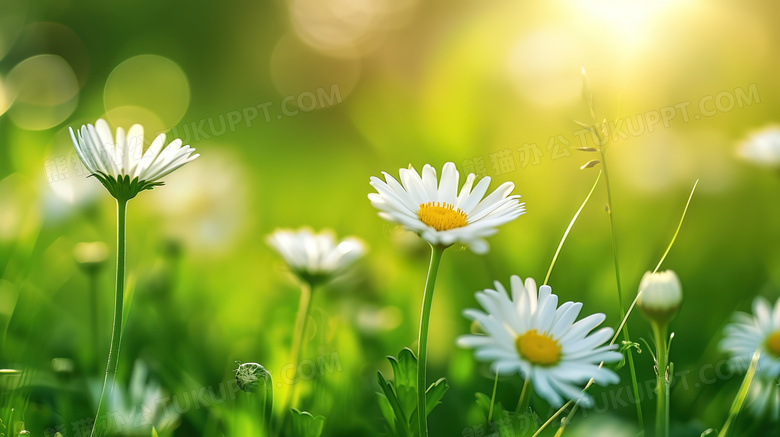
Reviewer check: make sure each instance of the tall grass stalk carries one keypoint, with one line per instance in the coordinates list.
(567, 420)
(568, 228)
(626, 336)
(736, 407)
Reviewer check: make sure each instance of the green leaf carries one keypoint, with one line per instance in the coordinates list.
(434, 394)
(404, 385)
(306, 425)
(388, 413)
(398, 399)
(405, 369)
(400, 416)
(483, 402)
(154, 432)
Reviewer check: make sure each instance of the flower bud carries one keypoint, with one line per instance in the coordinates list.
(661, 295)
(248, 376)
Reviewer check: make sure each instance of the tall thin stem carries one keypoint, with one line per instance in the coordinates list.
(568, 229)
(301, 320)
(116, 332)
(626, 336)
(525, 397)
(422, 339)
(662, 386)
(739, 400)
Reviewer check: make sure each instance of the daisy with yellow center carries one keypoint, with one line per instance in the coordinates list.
(441, 214)
(748, 333)
(528, 333)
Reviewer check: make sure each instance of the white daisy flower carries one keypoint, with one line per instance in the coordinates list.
(762, 147)
(439, 213)
(315, 257)
(748, 333)
(119, 165)
(530, 335)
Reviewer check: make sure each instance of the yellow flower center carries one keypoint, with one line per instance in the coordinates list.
(538, 348)
(441, 216)
(773, 343)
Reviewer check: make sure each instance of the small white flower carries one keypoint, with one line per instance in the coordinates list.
(315, 257)
(661, 295)
(120, 166)
(762, 147)
(530, 335)
(749, 333)
(439, 213)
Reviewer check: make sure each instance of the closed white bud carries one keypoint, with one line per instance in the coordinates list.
(661, 295)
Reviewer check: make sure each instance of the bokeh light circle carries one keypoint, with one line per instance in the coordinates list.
(126, 116)
(44, 91)
(347, 28)
(56, 39)
(152, 82)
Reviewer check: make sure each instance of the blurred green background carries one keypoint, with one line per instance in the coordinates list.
(293, 106)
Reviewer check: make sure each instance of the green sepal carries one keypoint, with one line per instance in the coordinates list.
(124, 189)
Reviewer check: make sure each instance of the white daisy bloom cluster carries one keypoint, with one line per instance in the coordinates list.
(315, 257)
(119, 165)
(762, 147)
(528, 333)
(760, 331)
(441, 214)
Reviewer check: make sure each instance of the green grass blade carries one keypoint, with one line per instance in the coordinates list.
(741, 395)
(571, 224)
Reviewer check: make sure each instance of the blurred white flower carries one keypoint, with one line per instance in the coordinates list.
(760, 331)
(530, 335)
(438, 213)
(214, 217)
(763, 399)
(139, 407)
(762, 147)
(661, 295)
(120, 166)
(315, 257)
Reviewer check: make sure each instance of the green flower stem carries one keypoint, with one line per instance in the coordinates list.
(662, 386)
(525, 397)
(422, 338)
(301, 320)
(116, 333)
(626, 336)
(268, 404)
